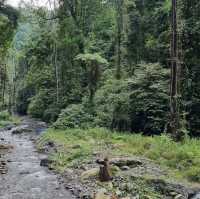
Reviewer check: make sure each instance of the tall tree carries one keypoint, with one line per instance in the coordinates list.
(175, 78)
(119, 5)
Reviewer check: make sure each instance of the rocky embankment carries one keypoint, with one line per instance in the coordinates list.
(133, 178)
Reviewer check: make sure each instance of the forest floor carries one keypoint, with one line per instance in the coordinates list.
(142, 167)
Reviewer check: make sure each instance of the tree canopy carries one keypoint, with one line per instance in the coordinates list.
(116, 53)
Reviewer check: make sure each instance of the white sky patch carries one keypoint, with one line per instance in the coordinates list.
(13, 2)
(16, 3)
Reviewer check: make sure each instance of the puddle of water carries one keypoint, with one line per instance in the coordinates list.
(40, 131)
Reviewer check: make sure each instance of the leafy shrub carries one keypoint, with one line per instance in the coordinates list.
(39, 103)
(51, 114)
(4, 115)
(7, 119)
(139, 103)
(74, 116)
(149, 99)
(193, 174)
(112, 105)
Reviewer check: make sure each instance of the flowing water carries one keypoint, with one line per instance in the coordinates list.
(25, 178)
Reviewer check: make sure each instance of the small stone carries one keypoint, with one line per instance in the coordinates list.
(125, 168)
(24, 173)
(173, 194)
(118, 192)
(179, 196)
(147, 197)
(85, 195)
(69, 171)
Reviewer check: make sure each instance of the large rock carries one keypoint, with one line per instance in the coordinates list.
(21, 129)
(126, 161)
(45, 162)
(9, 127)
(178, 191)
(5, 147)
(90, 173)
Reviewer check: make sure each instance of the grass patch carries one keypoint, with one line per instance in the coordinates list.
(77, 145)
(6, 119)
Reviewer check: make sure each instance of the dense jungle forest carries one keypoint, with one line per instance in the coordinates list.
(109, 78)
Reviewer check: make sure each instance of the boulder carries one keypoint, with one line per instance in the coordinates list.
(172, 189)
(5, 147)
(9, 127)
(21, 129)
(90, 173)
(45, 162)
(126, 162)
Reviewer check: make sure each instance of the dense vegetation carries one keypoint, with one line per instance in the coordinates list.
(180, 160)
(101, 63)
(98, 72)
(129, 92)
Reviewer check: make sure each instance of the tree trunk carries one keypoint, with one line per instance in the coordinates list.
(104, 172)
(119, 36)
(174, 90)
(57, 73)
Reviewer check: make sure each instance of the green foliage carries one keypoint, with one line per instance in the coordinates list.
(149, 99)
(74, 116)
(58, 63)
(4, 115)
(92, 58)
(23, 99)
(51, 113)
(112, 104)
(193, 174)
(8, 22)
(139, 104)
(38, 105)
(94, 63)
(6, 119)
(190, 29)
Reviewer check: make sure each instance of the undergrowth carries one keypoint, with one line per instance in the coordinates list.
(6, 119)
(77, 145)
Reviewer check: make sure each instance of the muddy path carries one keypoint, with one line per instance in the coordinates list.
(25, 178)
